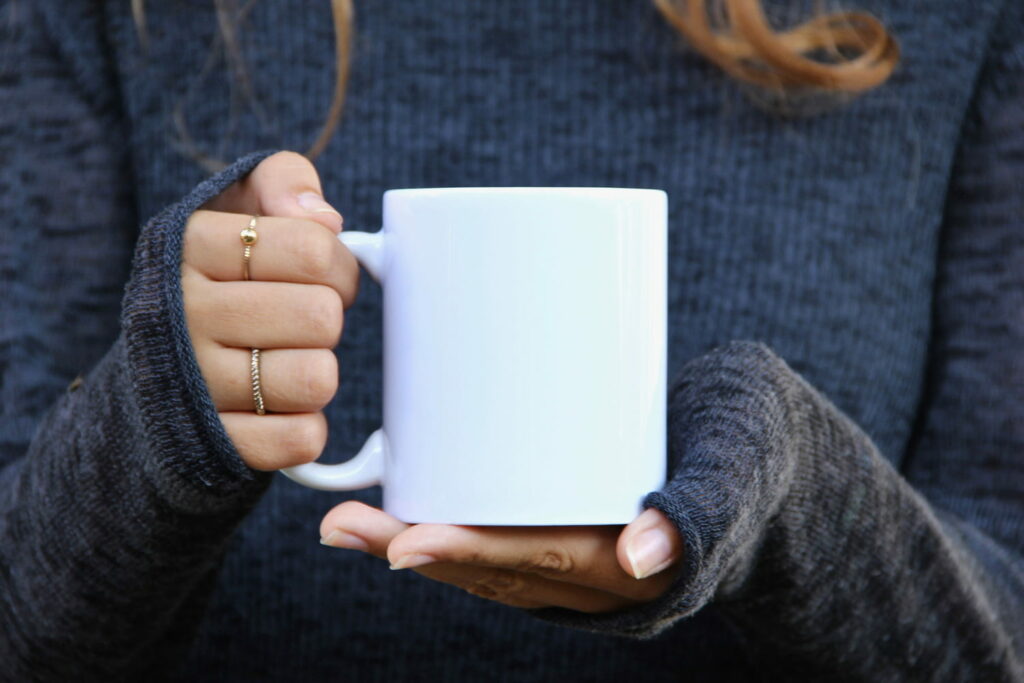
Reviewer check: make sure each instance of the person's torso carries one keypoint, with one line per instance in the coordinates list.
(815, 234)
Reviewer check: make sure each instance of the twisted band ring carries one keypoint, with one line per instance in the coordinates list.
(257, 390)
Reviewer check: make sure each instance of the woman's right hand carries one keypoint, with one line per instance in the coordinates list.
(302, 279)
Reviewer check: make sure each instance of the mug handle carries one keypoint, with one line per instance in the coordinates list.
(367, 467)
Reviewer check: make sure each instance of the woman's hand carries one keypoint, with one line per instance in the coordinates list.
(584, 568)
(302, 280)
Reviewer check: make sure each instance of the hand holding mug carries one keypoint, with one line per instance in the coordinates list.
(506, 309)
(583, 568)
(292, 309)
(524, 355)
(524, 359)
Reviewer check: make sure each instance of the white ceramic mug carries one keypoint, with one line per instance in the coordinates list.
(524, 355)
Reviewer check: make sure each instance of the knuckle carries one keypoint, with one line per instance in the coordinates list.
(316, 256)
(550, 561)
(324, 313)
(319, 378)
(498, 584)
(306, 438)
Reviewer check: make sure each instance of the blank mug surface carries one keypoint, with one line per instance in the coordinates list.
(524, 353)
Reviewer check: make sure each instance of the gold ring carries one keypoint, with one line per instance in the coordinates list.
(254, 373)
(249, 237)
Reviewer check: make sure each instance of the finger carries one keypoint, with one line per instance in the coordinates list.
(283, 184)
(358, 526)
(270, 442)
(265, 315)
(522, 589)
(550, 551)
(287, 250)
(583, 555)
(649, 545)
(291, 380)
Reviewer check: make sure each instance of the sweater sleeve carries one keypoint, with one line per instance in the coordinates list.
(117, 495)
(833, 564)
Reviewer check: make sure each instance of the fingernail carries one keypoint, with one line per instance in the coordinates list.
(649, 552)
(413, 560)
(342, 539)
(314, 203)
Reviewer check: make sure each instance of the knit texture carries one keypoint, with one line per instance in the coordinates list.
(126, 496)
(766, 470)
(846, 482)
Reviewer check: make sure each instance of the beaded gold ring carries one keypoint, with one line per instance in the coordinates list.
(249, 237)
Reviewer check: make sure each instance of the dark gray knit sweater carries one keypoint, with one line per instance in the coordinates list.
(847, 465)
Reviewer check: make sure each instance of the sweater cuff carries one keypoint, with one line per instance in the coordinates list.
(199, 467)
(732, 447)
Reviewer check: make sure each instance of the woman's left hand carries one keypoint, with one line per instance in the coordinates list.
(584, 568)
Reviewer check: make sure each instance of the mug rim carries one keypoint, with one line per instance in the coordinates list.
(525, 189)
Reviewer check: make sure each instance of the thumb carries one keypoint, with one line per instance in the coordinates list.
(648, 545)
(283, 184)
